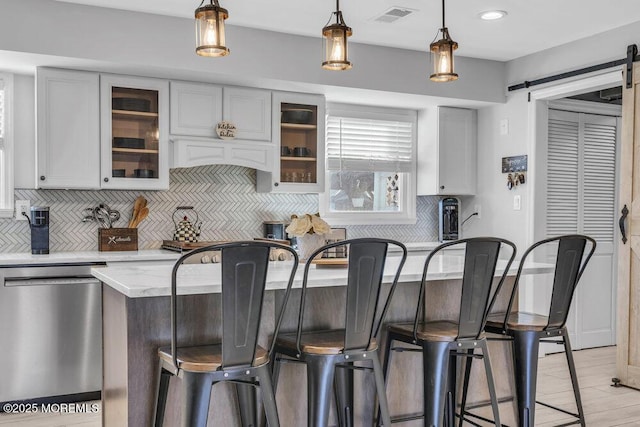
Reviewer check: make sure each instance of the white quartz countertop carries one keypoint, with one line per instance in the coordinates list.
(22, 258)
(136, 281)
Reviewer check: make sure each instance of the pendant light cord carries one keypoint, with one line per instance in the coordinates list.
(443, 14)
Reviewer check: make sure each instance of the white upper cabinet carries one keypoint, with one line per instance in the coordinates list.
(134, 133)
(249, 110)
(68, 129)
(196, 109)
(447, 151)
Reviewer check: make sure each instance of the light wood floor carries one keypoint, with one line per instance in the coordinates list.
(605, 406)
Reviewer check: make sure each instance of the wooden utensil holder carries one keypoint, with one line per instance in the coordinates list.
(117, 239)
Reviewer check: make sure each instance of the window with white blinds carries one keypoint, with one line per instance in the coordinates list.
(581, 165)
(370, 154)
(366, 144)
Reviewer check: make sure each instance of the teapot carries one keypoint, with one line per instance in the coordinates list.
(185, 230)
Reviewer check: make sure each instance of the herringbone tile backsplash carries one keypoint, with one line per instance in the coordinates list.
(225, 198)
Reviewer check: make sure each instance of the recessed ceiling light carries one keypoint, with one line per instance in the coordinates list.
(492, 15)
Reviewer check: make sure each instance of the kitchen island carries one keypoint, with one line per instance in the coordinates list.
(136, 321)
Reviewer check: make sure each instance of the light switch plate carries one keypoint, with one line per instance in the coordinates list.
(516, 202)
(504, 127)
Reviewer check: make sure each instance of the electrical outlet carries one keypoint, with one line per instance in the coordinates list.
(477, 210)
(22, 206)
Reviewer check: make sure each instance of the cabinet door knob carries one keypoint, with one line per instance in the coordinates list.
(42, 178)
(275, 184)
(106, 180)
(442, 187)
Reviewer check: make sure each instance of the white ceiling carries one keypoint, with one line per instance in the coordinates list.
(530, 26)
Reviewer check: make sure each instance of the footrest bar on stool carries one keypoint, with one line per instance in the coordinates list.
(405, 418)
(558, 409)
(465, 414)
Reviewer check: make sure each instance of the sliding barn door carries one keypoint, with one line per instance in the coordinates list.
(628, 361)
(581, 198)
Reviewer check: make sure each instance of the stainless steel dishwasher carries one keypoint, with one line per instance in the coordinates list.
(51, 333)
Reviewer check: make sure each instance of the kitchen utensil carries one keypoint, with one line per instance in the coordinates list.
(144, 212)
(102, 216)
(138, 205)
(185, 231)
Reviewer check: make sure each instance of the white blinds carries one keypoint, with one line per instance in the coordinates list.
(365, 144)
(581, 175)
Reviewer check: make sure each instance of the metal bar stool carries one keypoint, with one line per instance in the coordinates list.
(439, 341)
(528, 330)
(324, 351)
(237, 357)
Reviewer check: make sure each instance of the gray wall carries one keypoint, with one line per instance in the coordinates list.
(225, 198)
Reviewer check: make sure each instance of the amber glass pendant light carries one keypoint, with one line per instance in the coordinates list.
(335, 36)
(442, 55)
(210, 29)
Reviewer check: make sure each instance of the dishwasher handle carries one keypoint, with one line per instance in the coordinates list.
(47, 281)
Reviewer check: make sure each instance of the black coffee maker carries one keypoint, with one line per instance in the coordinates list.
(448, 219)
(39, 223)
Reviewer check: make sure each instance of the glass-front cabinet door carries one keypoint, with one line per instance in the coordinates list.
(298, 131)
(135, 130)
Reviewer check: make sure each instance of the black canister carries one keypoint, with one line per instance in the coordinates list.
(39, 230)
(274, 230)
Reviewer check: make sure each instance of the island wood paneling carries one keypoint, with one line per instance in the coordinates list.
(136, 327)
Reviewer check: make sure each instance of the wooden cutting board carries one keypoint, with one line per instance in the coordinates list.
(176, 246)
(331, 262)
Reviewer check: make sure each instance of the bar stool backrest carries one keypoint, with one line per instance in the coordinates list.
(367, 258)
(244, 268)
(570, 264)
(480, 261)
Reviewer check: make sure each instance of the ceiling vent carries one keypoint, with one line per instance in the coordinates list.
(393, 14)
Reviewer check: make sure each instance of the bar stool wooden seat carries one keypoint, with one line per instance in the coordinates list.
(528, 329)
(442, 341)
(237, 357)
(332, 355)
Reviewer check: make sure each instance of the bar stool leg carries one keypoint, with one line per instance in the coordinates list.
(574, 376)
(196, 395)
(525, 355)
(385, 368)
(320, 372)
(164, 377)
(381, 391)
(344, 396)
(465, 386)
(247, 403)
(268, 396)
(435, 360)
(490, 383)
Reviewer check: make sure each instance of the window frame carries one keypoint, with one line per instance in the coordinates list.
(407, 214)
(6, 203)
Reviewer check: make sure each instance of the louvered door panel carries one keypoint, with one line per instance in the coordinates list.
(562, 174)
(599, 177)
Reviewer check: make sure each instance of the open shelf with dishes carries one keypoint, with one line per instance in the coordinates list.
(298, 133)
(298, 143)
(134, 134)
